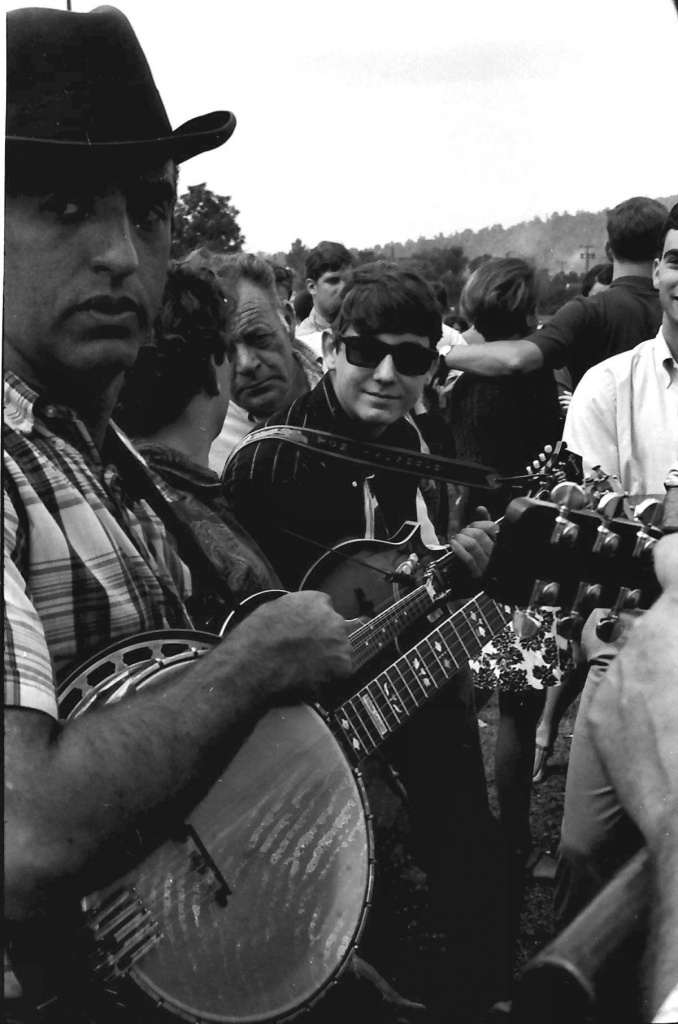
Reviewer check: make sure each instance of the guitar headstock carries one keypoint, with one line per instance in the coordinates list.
(561, 553)
(553, 465)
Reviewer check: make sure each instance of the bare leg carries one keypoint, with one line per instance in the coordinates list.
(558, 700)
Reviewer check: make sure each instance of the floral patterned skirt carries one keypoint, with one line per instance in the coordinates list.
(517, 665)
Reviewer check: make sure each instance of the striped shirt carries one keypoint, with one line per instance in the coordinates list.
(85, 563)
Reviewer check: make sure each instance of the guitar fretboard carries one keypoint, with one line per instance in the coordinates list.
(375, 635)
(388, 701)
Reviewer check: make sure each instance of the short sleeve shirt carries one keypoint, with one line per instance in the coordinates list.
(85, 564)
(587, 330)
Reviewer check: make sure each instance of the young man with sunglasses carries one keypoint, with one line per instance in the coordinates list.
(380, 354)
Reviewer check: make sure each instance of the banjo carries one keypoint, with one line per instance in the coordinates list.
(251, 911)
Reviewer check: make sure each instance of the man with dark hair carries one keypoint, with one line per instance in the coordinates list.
(624, 419)
(367, 393)
(623, 416)
(586, 330)
(91, 174)
(380, 353)
(326, 269)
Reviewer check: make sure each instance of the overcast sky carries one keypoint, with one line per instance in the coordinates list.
(367, 121)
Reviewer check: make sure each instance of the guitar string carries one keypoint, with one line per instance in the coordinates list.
(467, 640)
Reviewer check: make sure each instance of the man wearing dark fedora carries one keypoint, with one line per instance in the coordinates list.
(91, 165)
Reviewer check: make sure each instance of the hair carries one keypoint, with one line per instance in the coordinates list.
(231, 268)
(634, 229)
(670, 224)
(601, 274)
(303, 304)
(387, 298)
(191, 329)
(283, 276)
(499, 298)
(440, 292)
(327, 256)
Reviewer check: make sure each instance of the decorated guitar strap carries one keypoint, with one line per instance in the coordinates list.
(376, 456)
(135, 470)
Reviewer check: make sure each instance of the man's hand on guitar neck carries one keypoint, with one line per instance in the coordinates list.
(303, 639)
(473, 545)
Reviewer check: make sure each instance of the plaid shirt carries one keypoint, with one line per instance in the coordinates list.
(85, 564)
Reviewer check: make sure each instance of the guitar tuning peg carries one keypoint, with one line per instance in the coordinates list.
(650, 514)
(610, 626)
(607, 541)
(525, 622)
(569, 624)
(569, 497)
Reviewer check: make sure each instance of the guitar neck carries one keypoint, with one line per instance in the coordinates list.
(383, 629)
(388, 701)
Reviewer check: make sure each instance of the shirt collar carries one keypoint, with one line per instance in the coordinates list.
(18, 403)
(319, 322)
(665, 363)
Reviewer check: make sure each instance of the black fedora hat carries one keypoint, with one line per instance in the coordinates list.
(80, 84)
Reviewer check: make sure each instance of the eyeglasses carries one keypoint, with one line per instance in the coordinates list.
(368, 351)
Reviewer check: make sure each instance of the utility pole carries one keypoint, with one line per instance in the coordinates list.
(587, 255)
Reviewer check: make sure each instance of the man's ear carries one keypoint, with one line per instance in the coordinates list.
(290, 318)
(311, 286)
(608, 252)
(329, 347)
(655, 272)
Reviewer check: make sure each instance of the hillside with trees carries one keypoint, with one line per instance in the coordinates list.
(562, 247)
(556, 244)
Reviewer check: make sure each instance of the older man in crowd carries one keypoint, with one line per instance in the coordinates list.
(271, 366)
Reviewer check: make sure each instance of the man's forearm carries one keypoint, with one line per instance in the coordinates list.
(496, 358)
(662, 956)
(71, 790)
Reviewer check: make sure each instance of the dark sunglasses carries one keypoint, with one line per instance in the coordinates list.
(368, 351)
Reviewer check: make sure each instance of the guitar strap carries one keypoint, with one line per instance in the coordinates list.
(376, 456)
(135, 470)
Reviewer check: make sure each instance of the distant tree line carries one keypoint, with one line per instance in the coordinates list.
(554, 246)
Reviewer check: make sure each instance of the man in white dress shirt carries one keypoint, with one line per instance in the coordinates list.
(624, 413)
(623, 418)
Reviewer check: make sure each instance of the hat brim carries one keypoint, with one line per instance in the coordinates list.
(199, 135)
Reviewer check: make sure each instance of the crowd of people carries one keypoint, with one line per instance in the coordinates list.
(182, 451)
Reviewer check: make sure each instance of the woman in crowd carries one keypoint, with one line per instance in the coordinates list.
(173, 405)
(505, 423)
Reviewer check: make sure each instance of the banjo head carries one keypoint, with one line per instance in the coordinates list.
(253, 909)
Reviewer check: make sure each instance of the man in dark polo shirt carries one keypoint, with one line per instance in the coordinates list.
(586, 330)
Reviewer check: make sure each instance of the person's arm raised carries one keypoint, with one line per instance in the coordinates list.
(73, 789)
(496, 358)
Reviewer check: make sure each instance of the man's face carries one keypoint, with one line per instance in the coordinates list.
(264, 363)
(85, 269)
(375, 397)
(326, 291)
(665, 277)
